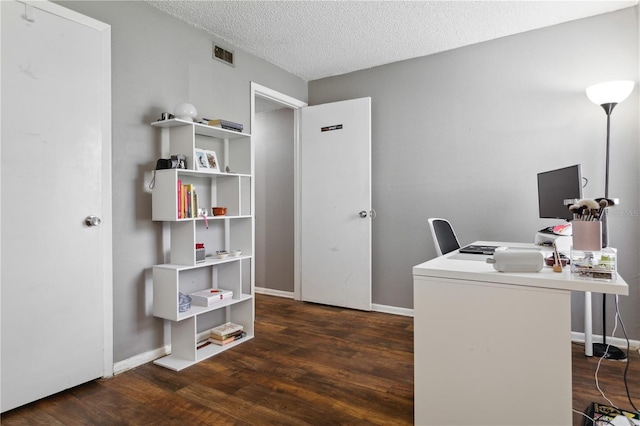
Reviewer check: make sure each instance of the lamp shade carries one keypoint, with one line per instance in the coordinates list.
(610, 92)
(185, 111)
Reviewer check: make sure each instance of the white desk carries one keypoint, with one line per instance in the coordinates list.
(494, 348)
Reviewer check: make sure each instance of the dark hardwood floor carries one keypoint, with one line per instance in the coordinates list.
(309, 364)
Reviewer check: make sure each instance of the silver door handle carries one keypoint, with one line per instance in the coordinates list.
(363, 214)
(92, 221)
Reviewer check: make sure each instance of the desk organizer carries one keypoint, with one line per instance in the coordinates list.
(597, 265)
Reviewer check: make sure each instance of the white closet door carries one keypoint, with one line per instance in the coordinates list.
(55, 139)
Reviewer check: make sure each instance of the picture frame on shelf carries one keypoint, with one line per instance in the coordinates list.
(212, 161)
(200, 160)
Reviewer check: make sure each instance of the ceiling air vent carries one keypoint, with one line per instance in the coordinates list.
(223, 55)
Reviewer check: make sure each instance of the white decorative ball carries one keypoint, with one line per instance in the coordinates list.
(185, 111)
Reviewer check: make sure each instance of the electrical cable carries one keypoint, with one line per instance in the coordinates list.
(591, 418)
(626, 368)
(604, 355)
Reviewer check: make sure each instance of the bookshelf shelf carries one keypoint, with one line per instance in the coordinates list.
(188, 225)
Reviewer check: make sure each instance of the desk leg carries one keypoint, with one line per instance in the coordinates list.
(588, 325)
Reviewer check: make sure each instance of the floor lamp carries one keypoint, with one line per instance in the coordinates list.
(607, 95)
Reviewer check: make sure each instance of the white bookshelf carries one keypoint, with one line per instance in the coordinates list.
(233, 231)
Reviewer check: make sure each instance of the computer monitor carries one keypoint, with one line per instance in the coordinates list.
(555, 186)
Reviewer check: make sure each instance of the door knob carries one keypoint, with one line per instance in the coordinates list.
(92, 221)
(363, 214)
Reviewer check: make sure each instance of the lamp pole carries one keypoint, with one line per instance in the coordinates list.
(607, 95)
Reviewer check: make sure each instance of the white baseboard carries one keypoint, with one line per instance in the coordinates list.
(615, 341)
(138, 360)
(406, 312)
(374, 307)
(272, 292)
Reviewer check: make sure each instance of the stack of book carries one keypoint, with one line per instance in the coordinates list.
(210, 296)
(226, 333)
(225, 124)
(187, 201)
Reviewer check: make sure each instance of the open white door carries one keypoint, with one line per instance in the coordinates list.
(55, 173)
(336, 204)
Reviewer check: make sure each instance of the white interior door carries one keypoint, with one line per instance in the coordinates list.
(56, 269)
(336, 204)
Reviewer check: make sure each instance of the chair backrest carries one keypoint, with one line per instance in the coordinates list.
(444, 238)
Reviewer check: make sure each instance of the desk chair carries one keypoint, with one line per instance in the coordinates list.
(444, 238)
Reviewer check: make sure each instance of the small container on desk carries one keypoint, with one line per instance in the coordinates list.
(600, 265)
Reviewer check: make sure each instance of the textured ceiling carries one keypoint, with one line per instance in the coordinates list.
(317, 39)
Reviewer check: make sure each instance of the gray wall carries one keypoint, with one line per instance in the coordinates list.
(273, 141)
(462, 135)
(158, 62)
(459, 134)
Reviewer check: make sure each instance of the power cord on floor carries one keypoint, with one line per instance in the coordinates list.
(618, 317)
(626, 368)
(591, 418)
(604, 355)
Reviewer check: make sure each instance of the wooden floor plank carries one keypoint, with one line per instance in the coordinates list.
(308, 364)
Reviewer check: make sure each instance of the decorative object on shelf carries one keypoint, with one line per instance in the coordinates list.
(200, 252)
(212, 160)
(184, 302)
(200, 160)
(185, 111)
(225, 124)
(236, 253)
(210, 296)
(607, 95)
(219, 211)
(177, 161)
(222, 254)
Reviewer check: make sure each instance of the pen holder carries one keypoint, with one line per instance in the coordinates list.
(587, 235)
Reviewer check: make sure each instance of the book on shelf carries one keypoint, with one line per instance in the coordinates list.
(179, 199)
(225, 336)
(226, 328)
(210, 296)
(228, 340)
(203, 343)
(225, 124)
(187, 201)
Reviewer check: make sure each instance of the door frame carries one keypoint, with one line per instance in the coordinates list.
(296, 105)
(107, 216)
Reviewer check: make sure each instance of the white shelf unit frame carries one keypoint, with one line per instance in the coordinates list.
(185, 337)
(234, 231)
(233, 191)
(185, 137)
